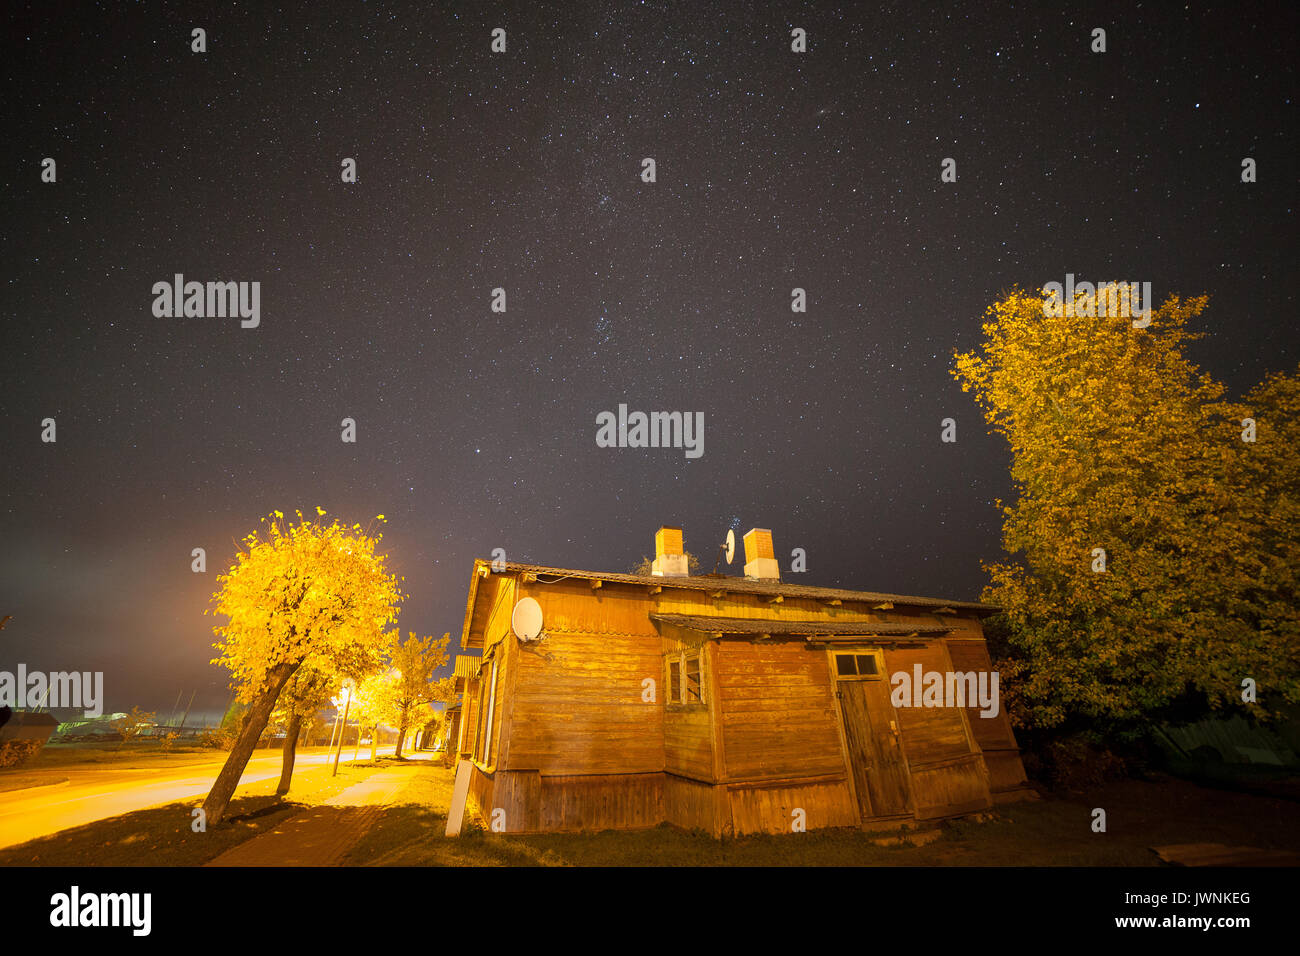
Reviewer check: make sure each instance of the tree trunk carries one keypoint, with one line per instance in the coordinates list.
(401, 736)
(290, 748)
(374, 744)
(214, 807)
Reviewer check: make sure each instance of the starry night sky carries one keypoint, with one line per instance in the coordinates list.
(521, 170)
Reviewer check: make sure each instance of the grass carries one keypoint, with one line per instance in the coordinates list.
(1051, 832)
(1054, 831)
(24, 781)
(147, 753)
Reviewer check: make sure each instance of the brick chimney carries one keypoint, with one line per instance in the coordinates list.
(670, 555)
(760, 559)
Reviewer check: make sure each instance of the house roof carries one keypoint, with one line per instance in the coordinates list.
(703, 582)
(807, 629)
(741, 585)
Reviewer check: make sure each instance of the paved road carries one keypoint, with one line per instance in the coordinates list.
(98, 791)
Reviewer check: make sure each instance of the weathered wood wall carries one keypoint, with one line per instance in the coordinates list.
(578, 708)
(994, 735)
(770, 808)
(776, 712)
(688, 728)
(947, 773)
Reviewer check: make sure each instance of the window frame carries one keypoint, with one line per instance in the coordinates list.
(876, 653)
(676, 698)
(487, 706)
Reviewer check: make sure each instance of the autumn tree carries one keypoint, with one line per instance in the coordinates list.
(365, 709)
(401, 695)
(129, 726)
(298, 592)
(1148, 572)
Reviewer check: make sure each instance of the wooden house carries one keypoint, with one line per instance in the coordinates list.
(722, 703)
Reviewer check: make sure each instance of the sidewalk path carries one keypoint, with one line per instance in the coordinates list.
(322, 835)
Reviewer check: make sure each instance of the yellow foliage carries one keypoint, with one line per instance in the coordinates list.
(1119, 442)
(304, 592)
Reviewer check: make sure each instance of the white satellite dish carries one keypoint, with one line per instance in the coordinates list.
(526, 619)
(731, 544)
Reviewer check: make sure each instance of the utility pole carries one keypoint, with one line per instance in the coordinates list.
(187, 711)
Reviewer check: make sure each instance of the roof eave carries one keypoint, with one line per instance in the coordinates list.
(701, 583)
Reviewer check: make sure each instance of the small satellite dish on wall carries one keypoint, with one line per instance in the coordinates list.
(526, 619)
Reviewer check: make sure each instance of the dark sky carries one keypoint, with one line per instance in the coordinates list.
(521, 170)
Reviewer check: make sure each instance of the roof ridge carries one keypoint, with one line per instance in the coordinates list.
(742, 584)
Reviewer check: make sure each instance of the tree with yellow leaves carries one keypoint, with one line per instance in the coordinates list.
(304, 592)
(1155, 531)
(400, 696)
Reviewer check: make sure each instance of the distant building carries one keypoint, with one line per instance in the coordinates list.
(733, 705)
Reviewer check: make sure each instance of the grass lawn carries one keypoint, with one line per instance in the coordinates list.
(1055, 831)
(23, 781)
(161, 836)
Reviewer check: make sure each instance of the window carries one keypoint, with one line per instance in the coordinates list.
(685, 678)
(864, 665)
(487, 694)
(693, 694)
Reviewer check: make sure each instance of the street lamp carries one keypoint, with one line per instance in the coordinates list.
(347, 702)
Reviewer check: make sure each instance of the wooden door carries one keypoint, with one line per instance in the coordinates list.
(871, 736)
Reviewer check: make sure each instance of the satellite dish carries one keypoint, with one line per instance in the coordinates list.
(526, 619)
(731, 544)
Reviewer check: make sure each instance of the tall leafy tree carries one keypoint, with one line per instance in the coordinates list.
(1145, 573)
(300, 591)
(402, 694)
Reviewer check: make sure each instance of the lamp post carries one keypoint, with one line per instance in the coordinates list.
(347, 702)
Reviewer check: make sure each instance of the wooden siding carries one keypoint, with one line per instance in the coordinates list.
(776, 713)
(951, 787)
(929, 733)
(688, 729)
(770, 809)
(577, 705)
(693, 805)
(478, 802)
(991, 733)
(614, 801)
(688, 750)
(994, 735)
(526, 802)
